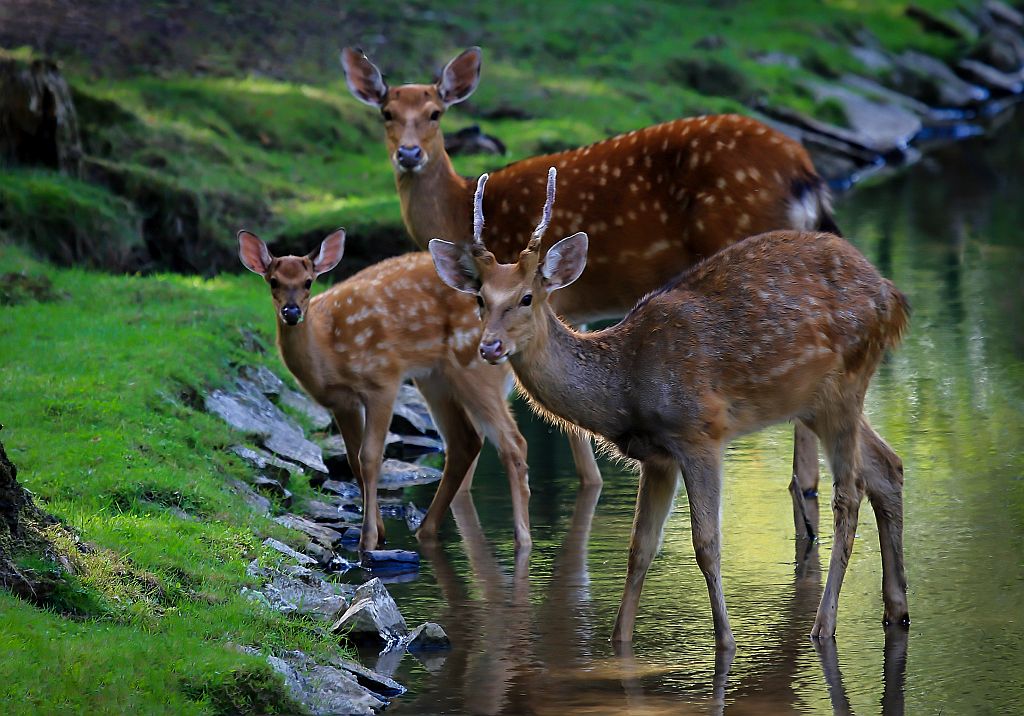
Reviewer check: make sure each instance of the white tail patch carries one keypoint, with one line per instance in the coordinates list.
(805, 211)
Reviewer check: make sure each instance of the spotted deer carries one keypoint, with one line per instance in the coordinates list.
(653, 201)
(351, 346)
(783, 326)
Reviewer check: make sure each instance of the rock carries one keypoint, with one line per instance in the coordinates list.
(325, 689)
(325, 536)
(990, 77)
(395, 475)
(333, 516)
(390, 556)
(275, 467)
(388, 660)
(932, 81)
(38, 122)
(372, 617)
(940, 25)
(1003, 13)
(248, 410)
(428, 637)
(321, 554)
(307, 595)
(411, 412)
(345, 490)
(870, 88)
(317, 415)
(258, 597)
(377, 682)
(881, 127)
(287, 551)
(409, 447)
(263, 378)
(472, 140)
(270, 486)
(414, 517)
(256, 501)
(1001, 47)
(873, 59)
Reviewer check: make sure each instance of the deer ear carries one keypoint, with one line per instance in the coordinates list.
(364, 80)
(329, 253)
(455, 266)
(460, 77)
(253, 252)
(564, 262)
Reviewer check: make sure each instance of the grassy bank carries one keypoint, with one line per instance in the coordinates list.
(270, 138)
(98, 394)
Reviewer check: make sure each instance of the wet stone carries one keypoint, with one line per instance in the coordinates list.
(325, 536)
(396, 475)
(326, 689)
(347, 490)
(413, 517)
(280, 470)
(287, 551)
(428, 637)
(248, 410)
(390, 556)
(375, 681)
(373, 617)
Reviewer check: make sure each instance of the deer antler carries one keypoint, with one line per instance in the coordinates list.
(545, 217)
(478, 214)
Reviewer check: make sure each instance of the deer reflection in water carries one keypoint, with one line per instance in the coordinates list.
(517, 652)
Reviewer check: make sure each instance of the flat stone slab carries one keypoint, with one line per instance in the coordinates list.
(396, 475)
(262, 461)
(327, 689)
(296, 589)
(411, 410)
(390, 556)
(317, 415)
(250, 411)
(325, 536)
(295, 556)
(258, 503)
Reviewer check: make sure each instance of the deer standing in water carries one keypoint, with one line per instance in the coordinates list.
(782, 326)
(351, 346)
(653, 201)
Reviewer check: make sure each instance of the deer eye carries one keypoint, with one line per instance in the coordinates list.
(526, 300)
(480, 300)
(273, 283)
(435, 115)
(387, 116)
(309, 283)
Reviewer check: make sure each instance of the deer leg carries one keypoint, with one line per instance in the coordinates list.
(350, 421)
(658, 480)
(803, 486)
(462, 447)
(703, 479)
(883, 477)
(378, 409)
(841, 441)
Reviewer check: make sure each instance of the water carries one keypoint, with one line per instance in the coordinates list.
(533, 637)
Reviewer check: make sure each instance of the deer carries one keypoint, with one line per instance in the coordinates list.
(351, 346)
(653, 202)
(785, 325)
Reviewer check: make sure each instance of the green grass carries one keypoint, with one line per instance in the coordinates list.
(96, 394)
(295, 158)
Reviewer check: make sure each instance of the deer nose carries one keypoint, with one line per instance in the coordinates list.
(291, 314)
(409, 157)
(492, 351)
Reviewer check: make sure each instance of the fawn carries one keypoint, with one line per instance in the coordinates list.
(351, 346)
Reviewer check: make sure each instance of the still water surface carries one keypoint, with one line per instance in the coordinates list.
(533, 637)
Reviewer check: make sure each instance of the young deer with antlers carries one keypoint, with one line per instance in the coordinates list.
(351, 346)
(782, 326)
(653, 202)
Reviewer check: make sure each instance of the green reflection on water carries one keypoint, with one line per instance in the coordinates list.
(950, 401)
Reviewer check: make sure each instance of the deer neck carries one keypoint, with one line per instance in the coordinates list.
(436, 202)
(572, 375)
(296, 345)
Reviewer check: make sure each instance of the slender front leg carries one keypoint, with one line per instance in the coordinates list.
(702, 474)
(803, 486)
(378, 407)
(841, 442)
(658, 479)
(350, 421)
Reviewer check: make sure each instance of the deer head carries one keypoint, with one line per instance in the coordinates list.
(412, 113)
(512, 297)
(290, 277)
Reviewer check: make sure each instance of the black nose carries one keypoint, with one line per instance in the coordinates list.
(409, 157)
(291, 314)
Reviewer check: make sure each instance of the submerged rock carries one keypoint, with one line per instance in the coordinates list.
(428, 637)
(395, 475)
